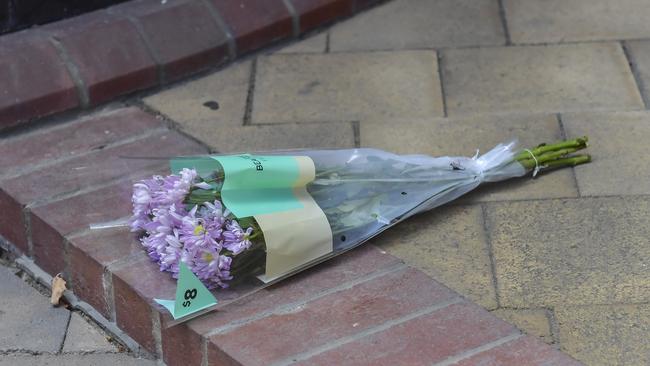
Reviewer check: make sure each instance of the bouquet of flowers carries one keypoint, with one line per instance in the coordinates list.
(235, 217)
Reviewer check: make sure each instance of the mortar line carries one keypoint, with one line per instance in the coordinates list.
(328, 41)
(222, 26)
(560, 121)
(474, 351)
(504, 23)
(170, 123)
(490, 249)
(73, 71)
(553, 325)
(22, 351)
(602, 196)
(294, 123)
(204, 351)
(295, 18)
(250, 94)
(96, 187)
(46, 163)
(356, 132)
(109, 293)
(442, 83)
(65, 334)
(488, 46)
(162, 77)
(27, 221)
(67, 266)
(366, 333)
(290, 306)
(635, 74)
(156, 332)
(66, 123)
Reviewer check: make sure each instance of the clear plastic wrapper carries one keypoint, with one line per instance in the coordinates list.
(240, 223)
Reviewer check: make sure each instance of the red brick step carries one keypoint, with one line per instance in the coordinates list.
(364, 307)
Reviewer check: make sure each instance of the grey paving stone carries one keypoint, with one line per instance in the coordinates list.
(27, 320)
(313, 44)
(571, 252)
(218, 98)
(448, 244)
(346, 87)
(531, 321)
(534, 21)
(414, 24)
(618, 145)
(640, 56)
(74, 360)
(84, 337)
(593, 76)
(606, 334)
(273, 137)
(461, 136)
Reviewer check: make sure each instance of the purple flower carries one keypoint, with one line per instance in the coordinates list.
(195, 237)
(236, 239)
(211, 268)
(171, 254)
(159, 192)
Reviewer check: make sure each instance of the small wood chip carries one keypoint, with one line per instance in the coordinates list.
(58, 287)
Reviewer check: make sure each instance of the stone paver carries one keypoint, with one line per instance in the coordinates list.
(450, 245)
(532, 321)
(33, 332)
(346, 87)
(571, 265)
(83, 337)
(604, 335)
(594, 76)
(274, 137)
(533, 21)
(74, 360)
(571, 252)
(415, 24)
(216, 100)
(212, 110)
(313, 44)
(522, 351)
(27, 320)
(619, 150)
(461, 136)
(639, 52)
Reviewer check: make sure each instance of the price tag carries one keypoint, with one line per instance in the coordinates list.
(191, 295)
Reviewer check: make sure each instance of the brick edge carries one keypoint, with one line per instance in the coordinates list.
(225, 48)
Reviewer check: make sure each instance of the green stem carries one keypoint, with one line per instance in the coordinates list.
(577, 143)
(569, 161)
(530, 163)
(554, 155)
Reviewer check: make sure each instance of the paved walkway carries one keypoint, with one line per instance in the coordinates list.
(32, 332)
(564, 256)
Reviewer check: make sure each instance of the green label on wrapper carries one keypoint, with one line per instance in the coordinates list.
(255, 185)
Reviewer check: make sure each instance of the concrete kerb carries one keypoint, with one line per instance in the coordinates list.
(45, 280)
